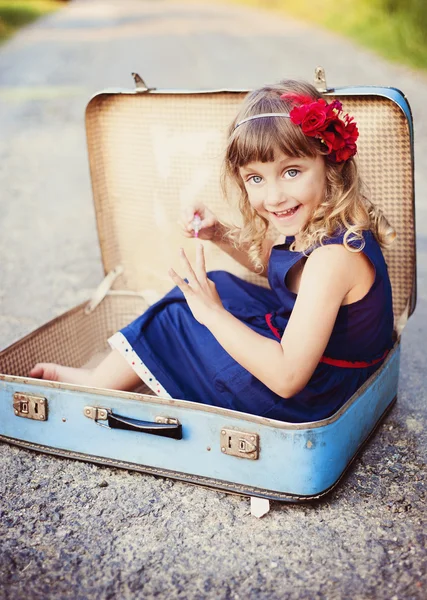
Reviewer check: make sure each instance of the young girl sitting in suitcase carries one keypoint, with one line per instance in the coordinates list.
(297, 351)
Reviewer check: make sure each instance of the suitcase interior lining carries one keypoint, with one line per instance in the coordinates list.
(149, 156)
(76, 339)
(152, 154)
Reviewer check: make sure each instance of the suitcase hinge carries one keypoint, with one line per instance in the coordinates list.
(96, 413)
(141, 86)
(320, 80)
(30, 406)
(243, 444)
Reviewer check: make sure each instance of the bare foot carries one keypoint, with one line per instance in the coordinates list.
(54, 372)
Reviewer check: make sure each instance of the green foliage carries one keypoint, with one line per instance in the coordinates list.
(397, 29)
(409, 18)
(16, 13)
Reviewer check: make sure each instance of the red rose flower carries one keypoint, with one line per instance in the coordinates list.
(325, 121)
(348, 130)
(313, 121)
(297, 114)
(343, 154)
(311, 117)
(332, 140)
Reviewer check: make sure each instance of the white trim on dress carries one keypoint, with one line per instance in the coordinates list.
(120, 343)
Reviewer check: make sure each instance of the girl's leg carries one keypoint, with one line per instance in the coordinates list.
(112, 373)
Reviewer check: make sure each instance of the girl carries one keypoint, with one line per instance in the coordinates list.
(295, 352)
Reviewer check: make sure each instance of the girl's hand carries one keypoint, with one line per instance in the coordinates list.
(208, 224)
(200, 292)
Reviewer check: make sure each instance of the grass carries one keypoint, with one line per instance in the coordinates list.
(17, 13)
(393, 29)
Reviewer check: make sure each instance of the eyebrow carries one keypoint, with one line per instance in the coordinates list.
(292, 160)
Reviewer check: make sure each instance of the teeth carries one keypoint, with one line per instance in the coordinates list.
(286, 212)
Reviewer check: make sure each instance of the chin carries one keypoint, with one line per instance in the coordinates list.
(290, 231)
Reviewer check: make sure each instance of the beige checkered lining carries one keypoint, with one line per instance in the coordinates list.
(150, 156)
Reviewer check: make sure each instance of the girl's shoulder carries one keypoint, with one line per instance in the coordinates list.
(334, 255)
(346, 252)
(364, 243)
(358, 259)
(348, 238)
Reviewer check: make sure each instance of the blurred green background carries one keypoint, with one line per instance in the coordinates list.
(396, 29)
(16, 13)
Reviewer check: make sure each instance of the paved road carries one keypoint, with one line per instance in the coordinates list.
(74, 530)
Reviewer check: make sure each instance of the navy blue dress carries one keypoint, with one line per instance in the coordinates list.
(190, 364)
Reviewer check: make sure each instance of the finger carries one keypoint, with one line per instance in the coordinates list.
(184, 222)
(186, 219)
(189, 212)
(188, 225)
(186, 229)
(208, 221)
(200, 263)
(37, 371)
(191, 275)
(179, 282)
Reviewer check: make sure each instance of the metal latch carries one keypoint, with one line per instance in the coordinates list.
(30, 406)
(96, 413)
(168, 420)
(240, 443)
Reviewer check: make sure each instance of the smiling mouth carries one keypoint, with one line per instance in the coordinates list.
(287, 213)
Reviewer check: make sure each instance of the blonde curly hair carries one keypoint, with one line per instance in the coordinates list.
(345, 206)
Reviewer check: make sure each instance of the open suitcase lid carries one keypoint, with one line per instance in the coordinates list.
(152, 152)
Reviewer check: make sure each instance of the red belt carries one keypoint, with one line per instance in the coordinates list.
(358, 364)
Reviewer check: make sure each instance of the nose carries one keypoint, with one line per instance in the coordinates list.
(275, 195)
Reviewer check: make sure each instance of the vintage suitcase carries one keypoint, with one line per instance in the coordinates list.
(150, 153)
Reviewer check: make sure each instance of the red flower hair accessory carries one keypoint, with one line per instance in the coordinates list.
(326, 122)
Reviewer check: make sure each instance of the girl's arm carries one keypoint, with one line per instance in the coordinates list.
(212, 229)
(241, 254)
(284, 367)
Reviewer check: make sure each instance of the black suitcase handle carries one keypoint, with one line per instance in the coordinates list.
(170, 430)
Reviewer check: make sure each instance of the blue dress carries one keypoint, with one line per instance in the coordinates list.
(190, 364)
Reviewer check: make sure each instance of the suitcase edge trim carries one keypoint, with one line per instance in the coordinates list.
(207, 482)
(186, 404)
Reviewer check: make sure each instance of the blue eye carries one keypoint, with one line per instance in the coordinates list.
(292, 173)
(255, 179)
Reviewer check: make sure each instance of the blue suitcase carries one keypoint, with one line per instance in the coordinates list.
(150, 151)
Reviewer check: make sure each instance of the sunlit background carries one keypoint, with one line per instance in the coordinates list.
(396, 29)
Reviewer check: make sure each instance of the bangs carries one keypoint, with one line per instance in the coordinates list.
(263, 139)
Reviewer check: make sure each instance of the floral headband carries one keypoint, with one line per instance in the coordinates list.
(326, 122)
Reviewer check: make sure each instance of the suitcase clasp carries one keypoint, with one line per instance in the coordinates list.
(30, 406)
(243, 444)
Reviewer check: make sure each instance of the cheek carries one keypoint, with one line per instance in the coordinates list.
(255, 198)
(315, 193)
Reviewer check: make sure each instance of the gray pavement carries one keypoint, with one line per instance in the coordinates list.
(75, 530)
